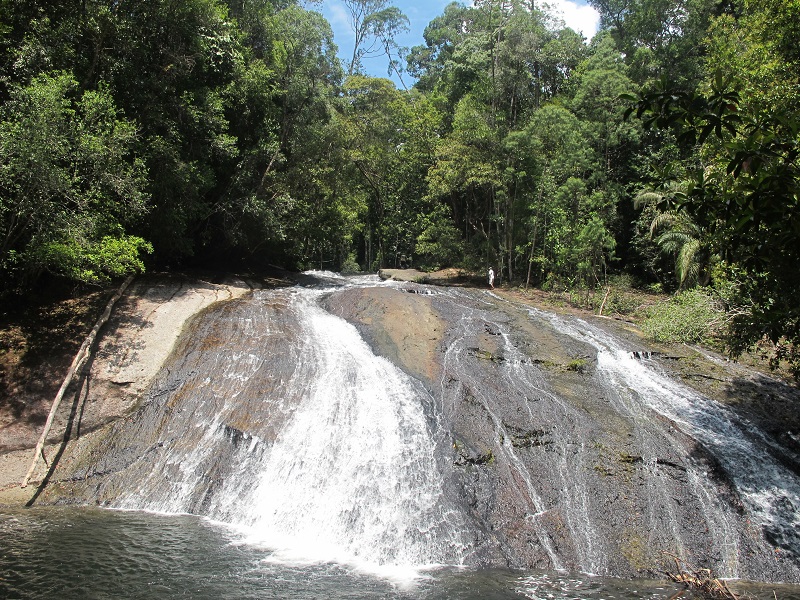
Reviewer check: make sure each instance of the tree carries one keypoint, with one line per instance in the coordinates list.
(442, 35)
(594, 247)
(467, 175)
(678, 235)
(390, 145)
(439, 243)
(70, 184)
(661, 37)
(746, 189)
(375, 26)
(552, 158)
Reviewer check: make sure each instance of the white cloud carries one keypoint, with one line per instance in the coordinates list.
(583, 19)
(337, 15)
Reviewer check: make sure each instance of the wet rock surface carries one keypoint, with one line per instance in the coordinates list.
(140, 336)
(210, 384)
(553, 465)
(556, 467)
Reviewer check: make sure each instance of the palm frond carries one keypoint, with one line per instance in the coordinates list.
(663, 219)
(647, 197)
(687, 265)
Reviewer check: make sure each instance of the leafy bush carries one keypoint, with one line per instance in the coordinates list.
(439, 245)
(350, 265)
(70, 184)
(93, 262)
(690, 317)
(623, 302)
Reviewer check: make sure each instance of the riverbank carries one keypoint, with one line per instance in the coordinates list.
(36, 352)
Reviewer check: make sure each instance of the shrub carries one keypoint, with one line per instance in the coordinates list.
(690, 317)
(439, 245)
(350, 265)
(784, 352)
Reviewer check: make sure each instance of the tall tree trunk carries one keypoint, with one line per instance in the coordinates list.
(530, 256)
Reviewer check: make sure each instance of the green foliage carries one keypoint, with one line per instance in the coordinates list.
(661, 36)
(282, 202)
(677, 234)
(594, 246)
(689, 317)
(69, 183)
(439, 244)
(92, 261)
(694, 115)
(350, 265)
(220, 131)
(744, 193)
(577, 365)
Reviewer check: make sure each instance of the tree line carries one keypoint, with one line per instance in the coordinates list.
(180, 132)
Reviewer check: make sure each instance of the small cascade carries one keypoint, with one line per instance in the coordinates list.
(770, 492)
(306, 441)
(353, 475)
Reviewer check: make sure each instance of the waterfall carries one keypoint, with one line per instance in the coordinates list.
(495, 438)
(770, 492)
(354, 472)
(295, 432)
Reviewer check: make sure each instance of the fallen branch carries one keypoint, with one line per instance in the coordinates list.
(702, 376)
(77, 363)
(603, 305)
(701, 580)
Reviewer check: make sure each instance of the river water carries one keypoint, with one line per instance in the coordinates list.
(88, 553)
(96, 553)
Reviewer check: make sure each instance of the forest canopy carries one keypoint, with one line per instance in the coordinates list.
(171, 133)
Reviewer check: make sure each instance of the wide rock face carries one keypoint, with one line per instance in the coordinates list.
(143, 331)
(561, 464)
(556, 448)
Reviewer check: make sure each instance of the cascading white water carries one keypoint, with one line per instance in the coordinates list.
(526, 489)
(276, 417)
(351, 474)
(770, 492)
(561, 473)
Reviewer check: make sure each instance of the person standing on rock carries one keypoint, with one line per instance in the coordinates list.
(491, 277)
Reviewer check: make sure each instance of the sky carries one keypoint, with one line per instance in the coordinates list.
(576, 13)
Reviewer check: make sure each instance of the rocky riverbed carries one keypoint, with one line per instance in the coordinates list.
(552, 466)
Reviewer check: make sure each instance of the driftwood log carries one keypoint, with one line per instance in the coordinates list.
(77, 363)
(701, 580)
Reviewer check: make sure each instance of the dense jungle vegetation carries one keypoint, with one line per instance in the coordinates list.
(185, 132)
